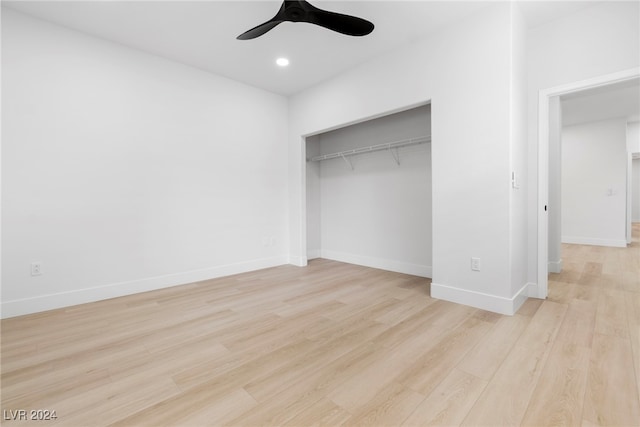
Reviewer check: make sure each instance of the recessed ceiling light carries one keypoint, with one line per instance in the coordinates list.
(283, 62)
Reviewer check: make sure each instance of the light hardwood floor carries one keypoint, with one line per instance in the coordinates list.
(336, 344)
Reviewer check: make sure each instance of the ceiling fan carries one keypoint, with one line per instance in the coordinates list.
(303, 11)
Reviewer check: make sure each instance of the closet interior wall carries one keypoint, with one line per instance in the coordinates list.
(373, 211)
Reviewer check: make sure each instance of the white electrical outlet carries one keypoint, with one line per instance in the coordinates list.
(36, 269)
(475, 264)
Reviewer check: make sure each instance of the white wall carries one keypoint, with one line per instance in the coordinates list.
(314, 201)
(379, 213)
(466, 71)
(633, 147)
(595, 41)
(594, 177)
(123, 172)
(633, 137)
(555, 190)
(635, 191)
(518, 148)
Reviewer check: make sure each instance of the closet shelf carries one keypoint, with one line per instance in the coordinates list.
(379, 147)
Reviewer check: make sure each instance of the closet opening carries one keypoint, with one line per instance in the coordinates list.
(369, 193)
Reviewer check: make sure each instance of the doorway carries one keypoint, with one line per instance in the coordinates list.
(549, 127)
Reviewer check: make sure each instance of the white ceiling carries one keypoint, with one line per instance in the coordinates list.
(203, 34)
(605, 102)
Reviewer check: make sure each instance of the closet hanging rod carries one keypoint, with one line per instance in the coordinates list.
(378, 147)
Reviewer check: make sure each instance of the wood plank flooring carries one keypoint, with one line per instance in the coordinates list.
(336, 344)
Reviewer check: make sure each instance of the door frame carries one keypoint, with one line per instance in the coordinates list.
(544, 96)
(303, 159)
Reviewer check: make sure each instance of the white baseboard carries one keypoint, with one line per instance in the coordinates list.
(65, 299)
(533, 290)
(520, 297)
(616, 243)
(554, 266)
(298, 261)
(382, 264)
(493, 303)
(313, 254)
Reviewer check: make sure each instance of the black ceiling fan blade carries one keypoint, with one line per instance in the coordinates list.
(303, 11)
(345, 24)
(258, 31)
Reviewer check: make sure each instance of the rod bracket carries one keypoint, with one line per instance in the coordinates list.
(346, 159)
(395, 153)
